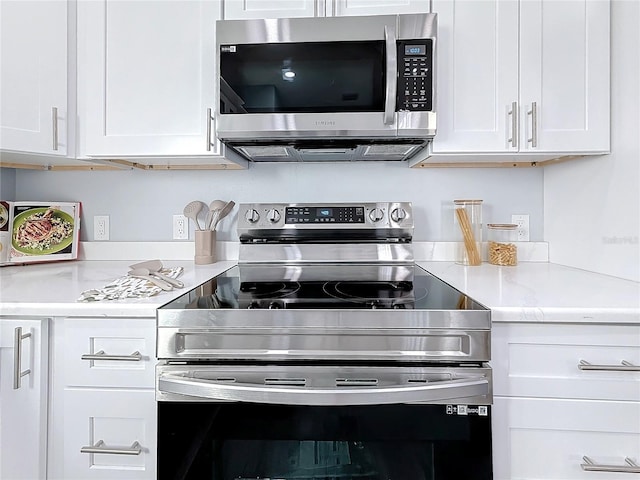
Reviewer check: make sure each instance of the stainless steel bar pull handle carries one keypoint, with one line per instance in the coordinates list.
(100, 447)
(630, 467)
(623, 367)
(134, 357)
(514, 125)
(209, 121)
(392, 80)
(293, 395)
(17, 358)
(54, 119)
(534, 124)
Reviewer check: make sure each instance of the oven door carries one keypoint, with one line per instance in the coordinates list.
(287, 423)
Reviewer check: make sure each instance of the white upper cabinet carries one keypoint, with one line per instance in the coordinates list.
(244, 9)
(256, 9)
(33, 77)
(564, 75)
(523, 77)
(341, 8)
(146, 74)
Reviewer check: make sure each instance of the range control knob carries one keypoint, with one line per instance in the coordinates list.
(273, 215)
(252, 216)
(398, 214)
(376, 215)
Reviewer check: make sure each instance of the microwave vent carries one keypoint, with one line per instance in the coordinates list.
(264, 151)
(387, 150)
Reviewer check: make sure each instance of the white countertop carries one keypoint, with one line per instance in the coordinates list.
(544, 292)
(52, 289)
(528, 292)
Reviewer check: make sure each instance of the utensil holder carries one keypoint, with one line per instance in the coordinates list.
(205, 247)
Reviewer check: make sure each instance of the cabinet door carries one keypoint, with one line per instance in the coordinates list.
(376, 7)
(547, 439)
(477, 75)
(120, 420)
(564, 68)
(33, 77)
(23, 423)
(248, 9)
(146, 76)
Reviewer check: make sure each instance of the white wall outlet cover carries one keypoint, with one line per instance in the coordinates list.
(180, 227)
(101, 227)
(522, 221)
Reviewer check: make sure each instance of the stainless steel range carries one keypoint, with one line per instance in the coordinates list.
(325, 353)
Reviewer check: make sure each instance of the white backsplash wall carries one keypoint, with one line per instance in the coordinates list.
(141, 204)
(592, 206)
(7, 184)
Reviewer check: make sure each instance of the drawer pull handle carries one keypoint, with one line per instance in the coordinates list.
(631, 467)
(99, 447)
(134, 357)
(18, 373)
(623, 367)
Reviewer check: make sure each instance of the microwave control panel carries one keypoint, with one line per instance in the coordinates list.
(415, 75)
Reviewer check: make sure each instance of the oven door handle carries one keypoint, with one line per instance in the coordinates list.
(299, 395)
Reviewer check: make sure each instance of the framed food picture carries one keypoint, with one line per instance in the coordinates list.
(43, 231)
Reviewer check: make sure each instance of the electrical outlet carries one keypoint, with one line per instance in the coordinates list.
(522, 221)
(101, 227)
(180, 227)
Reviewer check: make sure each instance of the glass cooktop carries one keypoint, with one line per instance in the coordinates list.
(370, 286)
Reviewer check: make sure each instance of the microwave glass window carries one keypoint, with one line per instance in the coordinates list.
(303, 77)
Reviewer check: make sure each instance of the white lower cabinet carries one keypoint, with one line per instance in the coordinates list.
(23, 398)
(109, 434)
(103, 402)
(536, 438)
(566, 396)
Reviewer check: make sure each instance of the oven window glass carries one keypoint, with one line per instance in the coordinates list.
(383, 442)
(302, 77)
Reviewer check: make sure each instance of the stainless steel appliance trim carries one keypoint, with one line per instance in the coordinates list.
(100, 355)
(625, 366)
(18, 373)
(320, 385)
(392, 70)
(305, 253)
(99, 447)
(278, 343)
(590, 466)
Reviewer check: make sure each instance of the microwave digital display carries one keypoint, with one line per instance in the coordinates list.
(415, 49)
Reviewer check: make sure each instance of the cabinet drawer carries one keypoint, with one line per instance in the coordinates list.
(548, 439)
(118, 419)
(544, 361)
(127, 344)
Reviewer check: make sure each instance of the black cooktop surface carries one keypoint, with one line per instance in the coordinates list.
(370, 286)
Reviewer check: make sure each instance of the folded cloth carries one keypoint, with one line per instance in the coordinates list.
(128, 287)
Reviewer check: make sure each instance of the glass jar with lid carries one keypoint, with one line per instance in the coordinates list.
(468, 217)
(502, 249)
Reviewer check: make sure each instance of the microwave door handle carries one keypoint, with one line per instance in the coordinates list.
(457, 390)
(392, 75)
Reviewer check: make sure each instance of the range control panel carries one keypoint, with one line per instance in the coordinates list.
(415, 75)
(320, 214)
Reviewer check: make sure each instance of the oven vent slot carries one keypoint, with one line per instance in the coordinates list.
(299, 382)
(225, 379)
(417, 380)
(356, 382)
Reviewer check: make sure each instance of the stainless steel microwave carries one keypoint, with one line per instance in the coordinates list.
(327, 89)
